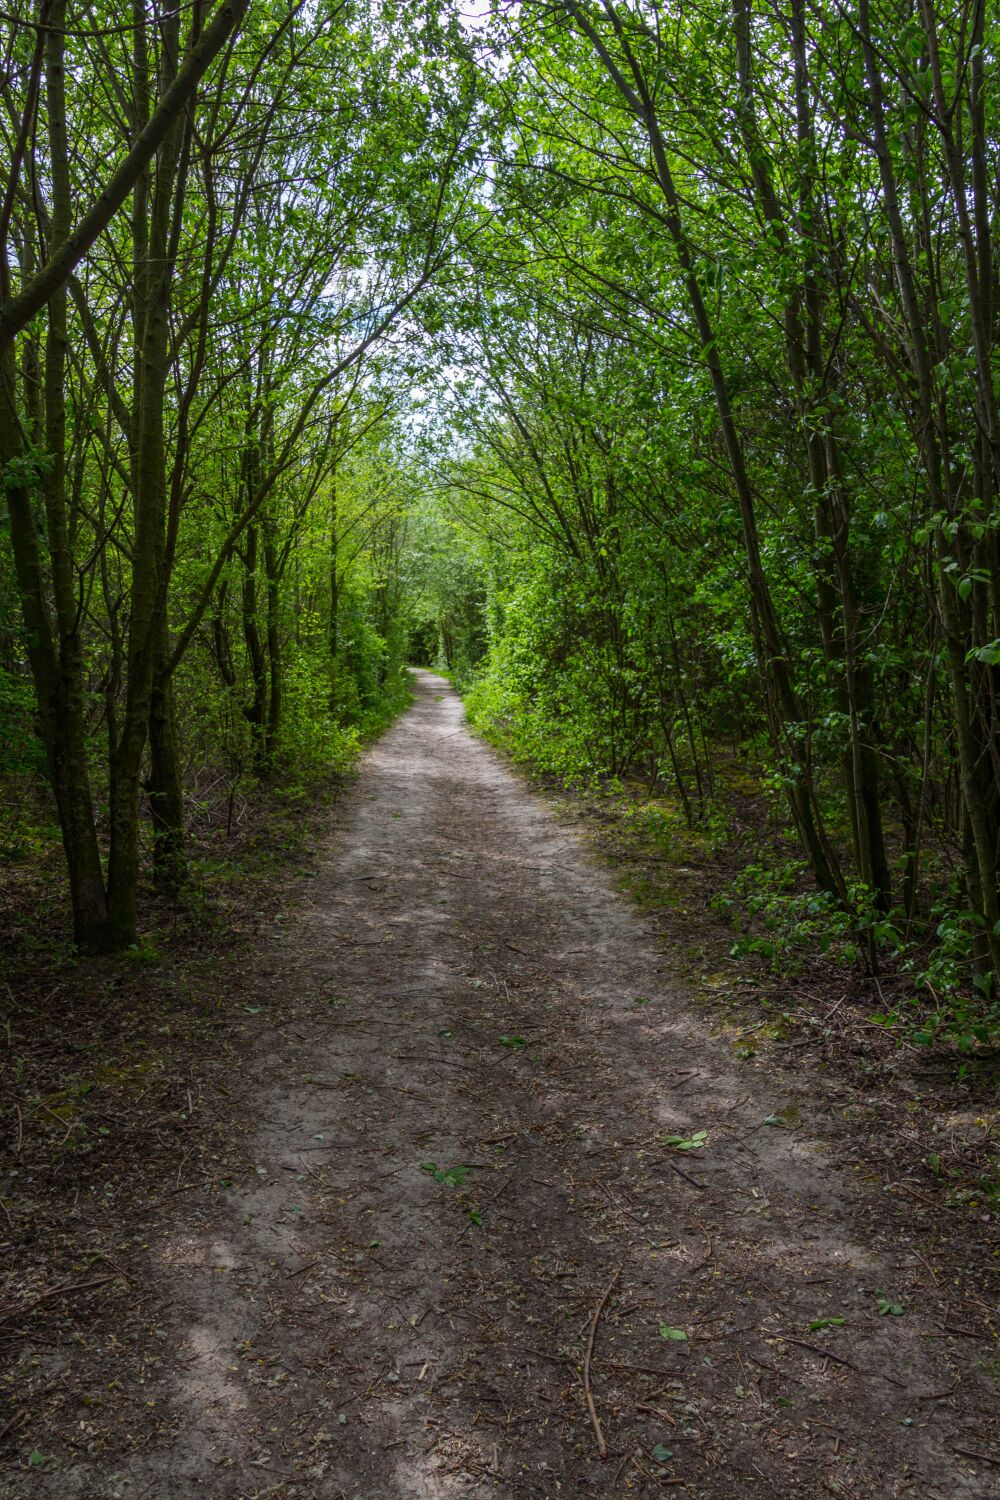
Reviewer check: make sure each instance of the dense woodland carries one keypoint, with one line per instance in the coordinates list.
(637, 364)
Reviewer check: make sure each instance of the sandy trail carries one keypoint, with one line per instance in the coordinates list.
(461, 986)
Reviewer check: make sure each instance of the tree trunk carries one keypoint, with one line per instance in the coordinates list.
(148, 595)
(256, 710)
(54, 647)
(784, 712)
(165, 787)
(275, 697)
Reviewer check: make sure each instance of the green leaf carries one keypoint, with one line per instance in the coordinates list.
(662, 1455)
(687, 1142)
(37, 1458)
(889, 1309)
(678, 1334)
(513, 1041)
(451, 1176)
(818, 1323)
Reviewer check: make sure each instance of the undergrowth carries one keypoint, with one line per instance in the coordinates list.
(927, 961)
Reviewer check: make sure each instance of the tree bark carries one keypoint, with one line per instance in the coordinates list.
(55, 650)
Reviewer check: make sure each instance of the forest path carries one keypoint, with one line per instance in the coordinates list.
(344, 1326)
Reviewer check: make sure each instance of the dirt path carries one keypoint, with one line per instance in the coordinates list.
(462, 987)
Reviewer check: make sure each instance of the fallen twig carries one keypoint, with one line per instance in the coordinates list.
(686, 1175)
(66, 1288)
(15, 1421)
(837, 1359)
(602, 1446)
(984, 1458)
(657, 1412)
(815, 1349)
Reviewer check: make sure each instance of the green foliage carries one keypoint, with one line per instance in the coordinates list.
(788, 924)
(789, 920)
(314, 742)
(660, 429)
(448, 601)
(693, 1142)
(20, 751)
(694, 460)
(452, 1177)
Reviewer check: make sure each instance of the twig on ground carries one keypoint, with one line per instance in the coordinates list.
(602, 1446)
(814, 1348)
(984, 1458)
(618, 1473)
(657, 1412)
(15, 1421)
(686, 1175)
(66, 1288)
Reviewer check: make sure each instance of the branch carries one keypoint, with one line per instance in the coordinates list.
(18, 311)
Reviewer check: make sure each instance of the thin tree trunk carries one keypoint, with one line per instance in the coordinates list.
(149, 585)
(54, 645)
(165, 786)
(783, 710)
(255, 711)
(275, 670)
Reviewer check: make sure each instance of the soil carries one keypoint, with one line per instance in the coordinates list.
(414, 1226)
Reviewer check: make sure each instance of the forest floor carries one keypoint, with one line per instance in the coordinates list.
(375, 1198)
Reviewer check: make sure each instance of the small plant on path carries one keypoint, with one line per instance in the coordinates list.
(677, 1335)
(687, 1142)
(452, 1177)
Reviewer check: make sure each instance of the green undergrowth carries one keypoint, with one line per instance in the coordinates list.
(781, 925)
(136, 1022)
(772, 961)
(934, 995)
(537, 734)
(241, 831)
(285, 816)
